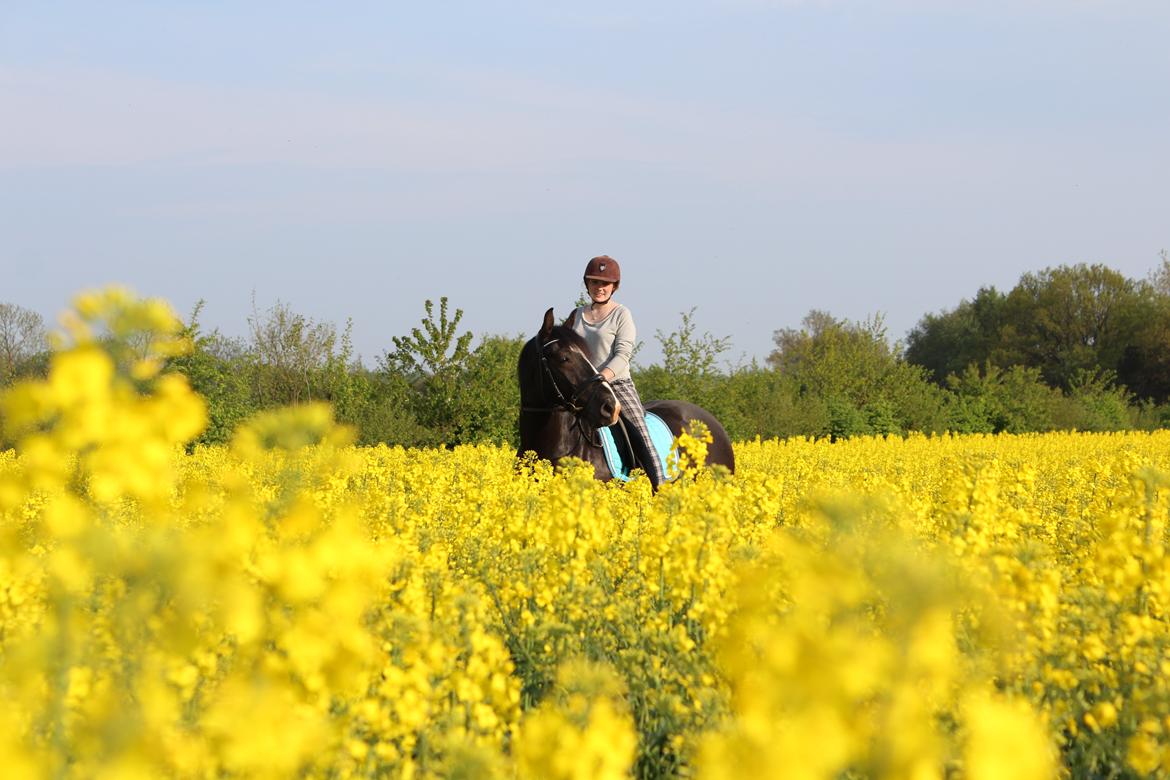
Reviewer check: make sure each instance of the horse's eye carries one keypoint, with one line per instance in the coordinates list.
(564, 358)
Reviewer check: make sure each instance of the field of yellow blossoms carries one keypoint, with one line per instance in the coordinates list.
(978, 606)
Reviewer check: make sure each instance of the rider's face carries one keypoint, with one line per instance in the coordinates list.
(600, 291)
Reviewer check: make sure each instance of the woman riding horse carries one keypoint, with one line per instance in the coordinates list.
(566, 393)
(608, 329)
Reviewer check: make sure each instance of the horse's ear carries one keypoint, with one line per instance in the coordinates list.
(549, 322)
(571, 320)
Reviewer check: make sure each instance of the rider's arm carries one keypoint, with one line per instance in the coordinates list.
(625, 336)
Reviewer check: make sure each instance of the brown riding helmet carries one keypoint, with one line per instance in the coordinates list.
(605, 268)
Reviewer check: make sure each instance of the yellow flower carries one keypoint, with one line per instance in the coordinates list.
(80, 376)
(1103, 716)
(263, 731)
(1005, 741)
(1144, 753)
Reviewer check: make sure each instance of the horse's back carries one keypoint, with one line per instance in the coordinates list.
(677, 415)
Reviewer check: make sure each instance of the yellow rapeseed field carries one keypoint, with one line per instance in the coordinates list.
(976, 606)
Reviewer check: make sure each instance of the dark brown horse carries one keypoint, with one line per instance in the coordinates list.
(564, 401)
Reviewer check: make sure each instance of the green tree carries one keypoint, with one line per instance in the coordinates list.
(948, 342)
(1095, 402)
(1070, 319)
(488, 398)
(990, 399)
(384, 409)
(865, 384)
(768, 404)
(431, 359)
(835, 358)
(1064, 321)
(342, 381)
(1144, 367)
(219, 369)
(686, 354)
(689, 369)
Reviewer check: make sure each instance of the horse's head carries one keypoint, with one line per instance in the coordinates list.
(555, 372)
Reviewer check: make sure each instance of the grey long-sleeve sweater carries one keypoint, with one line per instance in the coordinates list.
(611, 341)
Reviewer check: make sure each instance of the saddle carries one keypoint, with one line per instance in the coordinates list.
(620, 459)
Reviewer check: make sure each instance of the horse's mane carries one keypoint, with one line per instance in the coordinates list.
(529, 363)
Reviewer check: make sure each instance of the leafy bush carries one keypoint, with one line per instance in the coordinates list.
(830, 378)
(1094, 402)
(994, 400)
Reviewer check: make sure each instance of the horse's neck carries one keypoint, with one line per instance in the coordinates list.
(552, 430)
(557, 436)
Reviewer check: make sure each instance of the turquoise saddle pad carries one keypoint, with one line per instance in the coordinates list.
(660, 436)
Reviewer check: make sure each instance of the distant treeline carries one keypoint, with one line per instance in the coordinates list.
(1074, 347)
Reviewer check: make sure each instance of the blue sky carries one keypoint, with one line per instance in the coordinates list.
(752, 159)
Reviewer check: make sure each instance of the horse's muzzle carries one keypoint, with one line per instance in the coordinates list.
(611, 410)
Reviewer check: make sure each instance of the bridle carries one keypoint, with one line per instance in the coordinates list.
(571, 403)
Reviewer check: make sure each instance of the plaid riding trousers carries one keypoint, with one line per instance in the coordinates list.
(634, 416)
